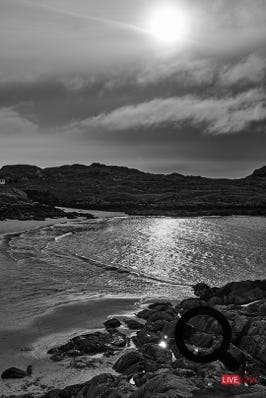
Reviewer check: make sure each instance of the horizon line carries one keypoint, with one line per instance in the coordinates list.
(130, 168)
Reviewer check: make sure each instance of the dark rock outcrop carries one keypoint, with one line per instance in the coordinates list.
(16, 373)
(133, 324)
(92, 343)
(233, 293)
(112, 323)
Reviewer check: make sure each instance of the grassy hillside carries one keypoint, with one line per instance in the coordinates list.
(119, 188)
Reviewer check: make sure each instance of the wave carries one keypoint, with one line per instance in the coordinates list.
(122, 270)
(62, 236)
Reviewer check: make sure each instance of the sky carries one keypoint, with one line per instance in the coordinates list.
(95, 81)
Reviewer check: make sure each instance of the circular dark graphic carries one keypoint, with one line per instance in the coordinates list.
(218, 353)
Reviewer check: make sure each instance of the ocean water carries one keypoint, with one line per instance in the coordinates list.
(142, 257)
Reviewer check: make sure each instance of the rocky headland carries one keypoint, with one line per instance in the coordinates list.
(15, 204)
(147, 363)
(116, 188)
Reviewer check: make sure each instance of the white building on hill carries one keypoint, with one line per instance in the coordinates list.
(2, 181)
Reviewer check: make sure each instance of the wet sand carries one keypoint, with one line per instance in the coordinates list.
(29, 345)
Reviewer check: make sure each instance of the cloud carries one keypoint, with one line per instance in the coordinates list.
(11, 122)
(189, 72)
(250, 70)
(220, 115)
(183, 70)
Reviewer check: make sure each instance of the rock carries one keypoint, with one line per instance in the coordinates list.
(184, 372)
(262, 380)
(155, 315)
(112, 323)
(254, 342)
(101, 386)
(182, 363)
(168, 385)
(239, 324)
(144, 336)
(144, 314)
(92, 343)
(202, 290)
(232, 293)
(129, 360)
(160, 306)
(16, 373)
(158, 311)
(118, 340)
(133, 324)
(57, 357)
(257, 308)
(156, 326)
(142, 378)
(157, 354)
(190, 303)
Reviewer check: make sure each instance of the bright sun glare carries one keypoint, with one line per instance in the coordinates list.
(169, 25)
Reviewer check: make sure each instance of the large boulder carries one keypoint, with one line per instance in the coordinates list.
(203, 291)
(112, 323)
(145, 336)
(128, 362)
(133, 324)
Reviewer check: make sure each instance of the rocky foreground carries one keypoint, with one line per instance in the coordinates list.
(152, 367)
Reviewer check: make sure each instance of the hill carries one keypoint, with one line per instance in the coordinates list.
(15, 204)
(120, 188)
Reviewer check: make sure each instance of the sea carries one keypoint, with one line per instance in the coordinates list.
(144, 257)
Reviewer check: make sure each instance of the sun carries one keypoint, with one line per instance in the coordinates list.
(169, 25)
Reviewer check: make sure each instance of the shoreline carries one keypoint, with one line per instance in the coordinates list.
(12, 226)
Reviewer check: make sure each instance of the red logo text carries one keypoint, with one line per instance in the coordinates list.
(232, 379)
